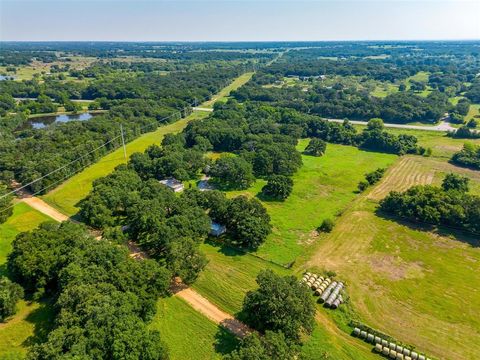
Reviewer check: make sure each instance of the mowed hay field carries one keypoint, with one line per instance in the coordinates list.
(67, 195)
(26, 326)
(419, 286)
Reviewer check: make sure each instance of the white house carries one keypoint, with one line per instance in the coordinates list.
(173, 184)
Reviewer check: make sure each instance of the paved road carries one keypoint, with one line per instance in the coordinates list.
(443, 126)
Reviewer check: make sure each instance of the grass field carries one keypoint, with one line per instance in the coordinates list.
(417, 285)
(31, 319)
(67, 195)
(323, 188)
(229, 275)
(473, 111)
(188, 334)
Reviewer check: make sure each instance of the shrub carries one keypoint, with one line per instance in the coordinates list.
(10, 293)
(326, 226)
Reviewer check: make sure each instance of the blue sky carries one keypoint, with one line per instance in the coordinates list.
(228, 20)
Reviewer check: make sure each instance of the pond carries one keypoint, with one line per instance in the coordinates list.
(7, 77)
(44, 121)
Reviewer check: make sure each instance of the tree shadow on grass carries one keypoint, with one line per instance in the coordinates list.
(225, 341)
(43, 319)
(224, 247)
(459, 234)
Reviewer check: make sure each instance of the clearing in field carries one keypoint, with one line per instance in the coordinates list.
(417, 285)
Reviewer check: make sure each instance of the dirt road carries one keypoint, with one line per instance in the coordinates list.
(202, 305)
(43, 207)
(196, 301)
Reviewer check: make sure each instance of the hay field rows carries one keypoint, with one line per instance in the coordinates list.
(417, 284)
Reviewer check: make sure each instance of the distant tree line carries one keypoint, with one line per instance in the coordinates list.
(450, 205)
(469, 156)
(26, 155)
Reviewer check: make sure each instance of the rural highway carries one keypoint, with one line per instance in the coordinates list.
(194, 299)
(443, 126)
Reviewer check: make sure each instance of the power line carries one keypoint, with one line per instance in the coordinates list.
(91, 151)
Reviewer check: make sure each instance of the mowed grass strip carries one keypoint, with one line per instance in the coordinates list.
(323, 188)
(188, 334)
(24, 328)
(66, 196)
(417, 285)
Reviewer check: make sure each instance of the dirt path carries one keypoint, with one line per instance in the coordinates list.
(196, 301)
(43, 207)
(205, 307)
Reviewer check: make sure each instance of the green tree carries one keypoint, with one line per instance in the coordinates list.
(455, 182)
(185, 260)
(247, 221)
(10, 293)
(316, 147)
(6, 209)
(278, 187)
(232, 172)
(272, 346)
(280, 304)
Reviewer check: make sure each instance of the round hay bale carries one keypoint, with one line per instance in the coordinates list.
(386, 351)
(414, 355)
(399, 356)
(378, 348)
(378, 340)
(406, 352)
(308, 274)
(363, 334)
(392, 346)
(384, 343)
(407, 357)
(399, 349)
(421, 357)
(393, 354)
(318, 292)
(356, 332)
(370, 338)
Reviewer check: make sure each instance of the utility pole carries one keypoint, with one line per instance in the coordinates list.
(123, 143)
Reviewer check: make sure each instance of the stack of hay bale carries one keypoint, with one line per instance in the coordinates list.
(327, 290)
(390, 349)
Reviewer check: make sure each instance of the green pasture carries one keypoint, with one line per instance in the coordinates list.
(188, 334)
(27, 326)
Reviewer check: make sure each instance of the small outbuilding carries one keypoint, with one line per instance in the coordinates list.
(173, 184)
(205, 185)
(217, 229)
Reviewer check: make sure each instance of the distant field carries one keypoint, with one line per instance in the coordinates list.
(20, 330)
(67, 195)
(323, 187)
(405, 280)
(188, 334)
